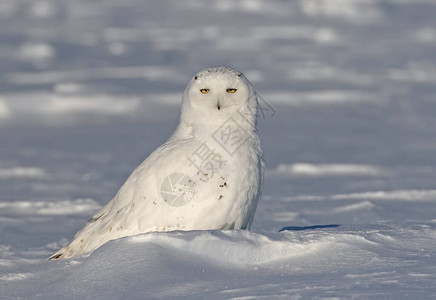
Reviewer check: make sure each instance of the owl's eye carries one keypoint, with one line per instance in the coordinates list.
(205, 91)
(231, 91)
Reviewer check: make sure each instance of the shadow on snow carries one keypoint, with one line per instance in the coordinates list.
(300, 228)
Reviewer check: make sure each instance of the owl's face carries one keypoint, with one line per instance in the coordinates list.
(218, 90)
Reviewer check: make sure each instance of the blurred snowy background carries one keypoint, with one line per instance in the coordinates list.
(89, 88)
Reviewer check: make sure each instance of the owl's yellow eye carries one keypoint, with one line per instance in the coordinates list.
(205, 91)
(231, 91)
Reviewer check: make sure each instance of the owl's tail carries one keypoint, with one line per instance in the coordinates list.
(70, 250)
(58, 255)
(89, 238)
(85, 241)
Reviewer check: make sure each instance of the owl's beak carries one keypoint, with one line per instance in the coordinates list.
(218, 105)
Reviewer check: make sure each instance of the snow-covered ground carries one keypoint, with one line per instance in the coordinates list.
(89, 88)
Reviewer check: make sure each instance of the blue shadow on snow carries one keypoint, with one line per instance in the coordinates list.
(300, 228)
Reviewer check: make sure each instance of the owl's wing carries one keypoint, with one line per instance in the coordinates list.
(121, 216)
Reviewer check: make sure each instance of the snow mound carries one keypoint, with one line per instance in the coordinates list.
(162, 265)
(234, 248)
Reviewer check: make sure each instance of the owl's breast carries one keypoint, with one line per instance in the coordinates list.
(200, 186)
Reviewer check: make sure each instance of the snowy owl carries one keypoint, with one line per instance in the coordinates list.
(207, 175)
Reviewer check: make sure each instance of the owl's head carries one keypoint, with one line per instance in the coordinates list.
(216, 93)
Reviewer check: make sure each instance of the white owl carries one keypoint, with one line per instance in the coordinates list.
(208, 175)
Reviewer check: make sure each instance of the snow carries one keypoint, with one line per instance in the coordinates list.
(89, 89)
(21, 172)
(36, 51)
(65, 207)
(305, 169)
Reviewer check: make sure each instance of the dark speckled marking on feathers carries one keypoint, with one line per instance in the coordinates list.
(55, 257)
(216, 70)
